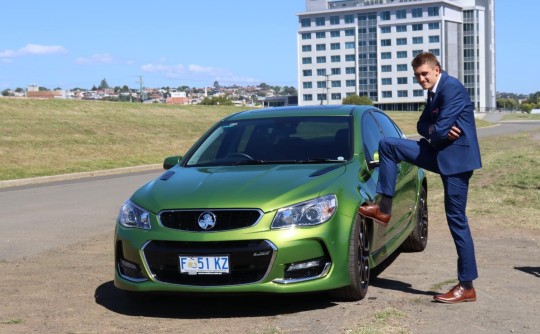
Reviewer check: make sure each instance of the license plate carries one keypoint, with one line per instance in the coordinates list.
(204, 265)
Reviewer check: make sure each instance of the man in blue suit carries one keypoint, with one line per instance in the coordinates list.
(449, 147)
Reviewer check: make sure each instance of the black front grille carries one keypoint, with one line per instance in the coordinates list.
(188, 220)
(248, 261)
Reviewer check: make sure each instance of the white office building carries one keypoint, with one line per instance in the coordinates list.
(365, 47)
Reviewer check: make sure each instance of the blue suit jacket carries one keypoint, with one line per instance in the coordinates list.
(450, 106)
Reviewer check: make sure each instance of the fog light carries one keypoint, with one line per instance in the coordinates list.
(130, 271)
(304, 265)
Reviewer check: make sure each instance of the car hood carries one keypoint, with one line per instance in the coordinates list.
(265, 187)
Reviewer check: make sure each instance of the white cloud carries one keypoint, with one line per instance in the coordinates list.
(196, 72)
(33, 49)
(99, 58)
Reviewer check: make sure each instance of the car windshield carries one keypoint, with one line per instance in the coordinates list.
(316, 139)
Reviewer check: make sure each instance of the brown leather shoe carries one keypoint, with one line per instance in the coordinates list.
(457, 294)
(372, 211)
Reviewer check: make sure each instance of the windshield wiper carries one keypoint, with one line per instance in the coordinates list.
(319, 160)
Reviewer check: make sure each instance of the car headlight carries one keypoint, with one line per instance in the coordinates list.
(133, 216)
(310, 213)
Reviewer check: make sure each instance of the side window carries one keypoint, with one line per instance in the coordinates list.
(371, 135)
(388, 127)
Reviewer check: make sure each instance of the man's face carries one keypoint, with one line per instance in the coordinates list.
(427, 75)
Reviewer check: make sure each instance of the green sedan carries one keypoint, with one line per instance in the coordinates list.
(266, 202)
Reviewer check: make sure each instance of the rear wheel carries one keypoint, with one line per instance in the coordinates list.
(417, 240)
(358, 262)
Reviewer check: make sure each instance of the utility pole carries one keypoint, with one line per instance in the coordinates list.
(141, 88)
(327, 88)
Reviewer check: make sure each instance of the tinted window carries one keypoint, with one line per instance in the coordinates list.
(371, 135)
(388, 127)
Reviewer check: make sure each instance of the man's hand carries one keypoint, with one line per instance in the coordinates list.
(454, 133)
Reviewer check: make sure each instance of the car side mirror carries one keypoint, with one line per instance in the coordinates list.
(374, 163)
(170, 162)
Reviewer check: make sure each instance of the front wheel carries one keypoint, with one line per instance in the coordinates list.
(359, 269)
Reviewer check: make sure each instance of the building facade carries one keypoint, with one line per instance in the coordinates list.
(365, 47)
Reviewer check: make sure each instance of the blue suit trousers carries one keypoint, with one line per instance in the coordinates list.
(422, 154)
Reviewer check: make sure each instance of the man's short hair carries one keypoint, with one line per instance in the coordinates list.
(425, 58)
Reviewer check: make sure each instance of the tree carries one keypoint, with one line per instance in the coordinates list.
(5, 92)
(103, 84)
(357, 100)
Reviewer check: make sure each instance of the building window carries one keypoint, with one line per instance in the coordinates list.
(402, 80)
(349, 32)
(335, 71)
(433, 26)
(321, 71)
(349, 57)
(306, 60)
(401, 28)
(436, 52)
(415, 52)
(401, 14)
(362, 69)
(387, 93)
(307, 73)
(349, 70)
(307, 84)
(386, 81)
(417, 27)
(321, 60)
(416, 12)
(418, 93)
(386, 42)
(434, 39)
(305, 23)
(385, 30)
(384, 16)
(349, 18)
(386, 55)
(334, 33)
(349, 45)
(321, 84)
(336, 96)
(319, 21)
(386, 68)
(402, 93)
(321, 97)
(401, 54)
(336, 83)
(320, 47)
(320, 34)
(334, 20)
(306, 35)
(308, 97)
(401, 67)
(433, 11)
(306, 48)
(418, 40)
(401, 41)
(334, 46)
(349, 83)
(335, 59)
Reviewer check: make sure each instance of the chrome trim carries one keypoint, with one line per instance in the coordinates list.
(325, 271)
(158, 218)
(129, 278)
(270, 265)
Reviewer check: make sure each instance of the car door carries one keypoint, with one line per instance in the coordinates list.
(405, 196)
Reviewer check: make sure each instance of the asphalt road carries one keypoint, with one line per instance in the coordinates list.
(43, 216)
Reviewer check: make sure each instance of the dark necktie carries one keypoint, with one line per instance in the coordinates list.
(430, 96)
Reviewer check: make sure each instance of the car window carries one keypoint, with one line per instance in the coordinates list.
(276, 139)
(388, 127)
(371, 135)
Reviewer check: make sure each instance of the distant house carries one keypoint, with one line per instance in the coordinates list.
(178, 98)
(535, 111)
(50, 94)
(279, 101)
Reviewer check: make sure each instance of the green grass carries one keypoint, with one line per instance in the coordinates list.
(51, 137)
(518, 116)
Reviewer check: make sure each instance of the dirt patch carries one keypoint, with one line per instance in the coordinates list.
(70, 290)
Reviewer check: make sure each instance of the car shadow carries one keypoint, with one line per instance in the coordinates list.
(191, 306)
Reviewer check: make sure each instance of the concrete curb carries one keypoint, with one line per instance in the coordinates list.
(77, 176)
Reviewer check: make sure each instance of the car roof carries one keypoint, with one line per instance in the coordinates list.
(291, 111)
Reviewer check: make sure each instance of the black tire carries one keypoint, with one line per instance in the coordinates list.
(359, 269)
(417, 240)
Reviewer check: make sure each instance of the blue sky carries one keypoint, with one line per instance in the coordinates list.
(173, 43)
